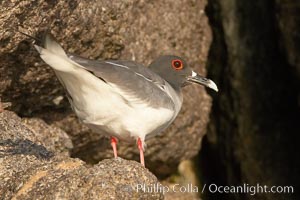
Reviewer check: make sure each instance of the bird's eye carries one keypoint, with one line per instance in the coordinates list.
(177, 64)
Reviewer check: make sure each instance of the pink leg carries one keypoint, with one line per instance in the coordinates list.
(113, 142)
(140, 146)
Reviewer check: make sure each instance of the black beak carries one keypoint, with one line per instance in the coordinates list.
(195, 78)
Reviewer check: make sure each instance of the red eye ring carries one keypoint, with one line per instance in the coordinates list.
(177, 64)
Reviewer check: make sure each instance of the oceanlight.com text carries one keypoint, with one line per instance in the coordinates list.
(248, 189)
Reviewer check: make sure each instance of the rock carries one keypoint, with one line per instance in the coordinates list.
(255, 117)
(29, 170)
(4, 105)
(132, 29)
(185, 184)
(110, 179)
(288, 20)
(16, 134)
(181, 196)
(56, 139)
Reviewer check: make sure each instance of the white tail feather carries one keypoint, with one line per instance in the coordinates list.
(51, 45)
(54, 55)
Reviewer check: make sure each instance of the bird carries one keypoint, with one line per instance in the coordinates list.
(122, 99)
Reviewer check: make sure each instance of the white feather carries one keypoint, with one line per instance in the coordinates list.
(56, 61)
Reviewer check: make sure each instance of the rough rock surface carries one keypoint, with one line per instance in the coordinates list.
(100, 29)
(33, 166)
(255, 118)
(185, 184)
(288, 21)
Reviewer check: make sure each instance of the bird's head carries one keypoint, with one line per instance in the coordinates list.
(177, 73)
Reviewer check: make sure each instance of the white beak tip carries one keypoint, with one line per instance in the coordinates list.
(212, 85)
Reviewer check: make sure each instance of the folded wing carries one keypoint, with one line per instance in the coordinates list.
(133, 81)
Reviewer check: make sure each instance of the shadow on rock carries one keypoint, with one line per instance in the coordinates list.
(25, 147)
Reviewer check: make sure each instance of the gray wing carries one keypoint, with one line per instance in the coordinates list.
(132, 78)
